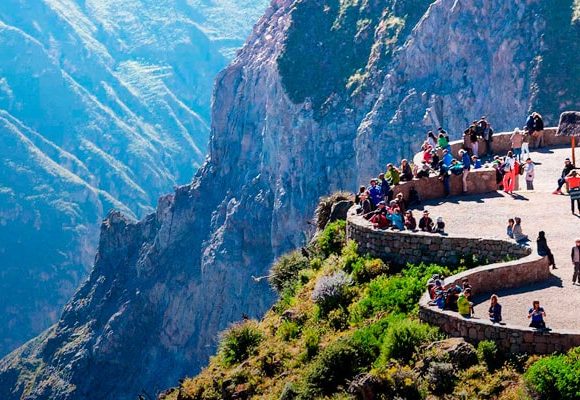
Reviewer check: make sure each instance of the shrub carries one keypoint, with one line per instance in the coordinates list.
(239, 342)
(336, 364)
(338, 319)
(404, 337)
(555, 377)
(396, 382)
(285, 271)
(288, 330)
(368, 269)
(332, 238)
(286, 300)
(441, 378)
(488, 354)
(332, 291)
(311, 342)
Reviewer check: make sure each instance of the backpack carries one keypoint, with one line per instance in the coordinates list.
(521, 169)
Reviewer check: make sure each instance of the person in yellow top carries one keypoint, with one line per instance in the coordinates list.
(464, 306)
(573, 181)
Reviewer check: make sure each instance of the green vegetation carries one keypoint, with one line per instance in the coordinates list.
(556, 377)
(337, 331)
(329, 43)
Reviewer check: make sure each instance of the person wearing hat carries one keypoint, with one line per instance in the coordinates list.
(379, 217)
(568, 167)
(573, 181)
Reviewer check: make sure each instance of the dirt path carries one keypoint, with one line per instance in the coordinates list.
(539, 210)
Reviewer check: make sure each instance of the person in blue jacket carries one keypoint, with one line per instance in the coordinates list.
(396, 218)
(375, 193)
(466, 162)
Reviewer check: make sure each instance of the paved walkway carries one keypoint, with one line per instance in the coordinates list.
(540, 210)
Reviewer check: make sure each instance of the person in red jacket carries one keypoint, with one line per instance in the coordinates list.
(573, 181)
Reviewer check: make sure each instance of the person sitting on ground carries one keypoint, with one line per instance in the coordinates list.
(516, 140)
(530, 173)
(406, 171)
(366, 207)
(510, 228)
(414, 198)
(544, 250)
(379, 217)
(518, 234)
(375, 193)
(537, 315)
(568, 167)
(410, 222)
(476, 162)
(573, 181)
(386, 191)
(392, 175)
(439, 226)
(494, 310)
(464, 306)
(424, 170)
(426, 223)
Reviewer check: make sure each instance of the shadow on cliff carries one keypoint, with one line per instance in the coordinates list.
(553, 281)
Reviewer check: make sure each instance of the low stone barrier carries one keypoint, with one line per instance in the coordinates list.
(416, 247)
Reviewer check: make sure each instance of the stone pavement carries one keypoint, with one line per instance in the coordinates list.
(486, 216)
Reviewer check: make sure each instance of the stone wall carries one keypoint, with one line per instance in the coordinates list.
(416, 247)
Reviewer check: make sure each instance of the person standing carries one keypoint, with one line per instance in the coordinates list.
(539, 130)
(573, 181)
(516, 141)
(487, 134)
(530, 173)
(526, 137)
(576, 261)
(466, 161)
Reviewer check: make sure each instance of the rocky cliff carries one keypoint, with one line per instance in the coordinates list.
(103, 104)
(321, 96)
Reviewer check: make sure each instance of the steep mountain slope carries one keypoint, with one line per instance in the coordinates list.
(102, 104)
(323, 94)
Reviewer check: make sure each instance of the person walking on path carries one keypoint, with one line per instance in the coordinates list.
(530, 173)
(544, 250)
(576, 261)
(573, 181)
(568, 167)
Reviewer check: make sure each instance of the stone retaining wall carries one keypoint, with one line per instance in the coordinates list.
(416, 247)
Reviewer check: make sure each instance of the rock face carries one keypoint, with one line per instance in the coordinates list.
(103, 104)
(321, 96)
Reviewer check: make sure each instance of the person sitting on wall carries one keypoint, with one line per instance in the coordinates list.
(465, 284)
(401, 202)
(375, 193)
(568, 167)
(451, 297)
(464, 306)
(537, 314)
(544, 250)
(361, 190)
(424, 171)
(406, 171)
(396, 218)
(439, 226)
(392, 175)
(435, 160)
(431, 285)
(443, 142)
(386, 191)
(410, 222)
(366, 208)
(447, 158)
(379, 217)
(476, 162)
(494, 310)
(426, 223)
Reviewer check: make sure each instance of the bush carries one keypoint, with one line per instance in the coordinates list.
(488, 354)
(332, 239)
(311, 342)
(338, 319)
(441, 378)
(288, 330)
(396, 382)
(368, 269)
(286, 270)
(336, 364)
(332, 291)
(556, 377)
(404, 337)
(239, 342)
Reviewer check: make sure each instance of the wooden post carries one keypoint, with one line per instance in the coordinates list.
(573, 150)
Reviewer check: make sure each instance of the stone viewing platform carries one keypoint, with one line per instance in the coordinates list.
(479, 220)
